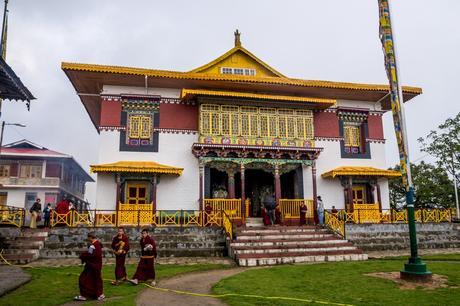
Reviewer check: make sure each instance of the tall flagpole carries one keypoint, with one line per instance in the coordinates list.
(414, 269)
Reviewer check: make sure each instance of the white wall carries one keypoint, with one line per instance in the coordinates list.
(164, 92)
(360, 104)
(330, 190)
(174, 150)
(17, 197)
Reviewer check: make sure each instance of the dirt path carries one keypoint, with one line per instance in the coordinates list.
(201, 282)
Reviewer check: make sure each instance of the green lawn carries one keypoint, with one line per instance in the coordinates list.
(342, 282)
(56, 286)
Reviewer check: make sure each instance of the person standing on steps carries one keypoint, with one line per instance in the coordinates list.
(120, 247)
(90, 280)
(270, 204)
(320, 210)
(303, 213)
(146, 268)
(47, 215)
(35, 210)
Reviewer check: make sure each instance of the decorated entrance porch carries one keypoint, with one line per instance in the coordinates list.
(236, 178)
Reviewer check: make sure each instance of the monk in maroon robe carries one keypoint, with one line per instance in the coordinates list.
(278, 215)
(145, 269)
(90, 280)
(265, 217)
(120, 247)
(303, 213)
(207, 215)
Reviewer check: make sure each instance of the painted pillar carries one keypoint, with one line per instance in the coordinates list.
(379, 196)
(350, 193)
(243, 195)
(277, 184)
(315, 192)
(154, 192)
(118, 195)
(231, 184)
(201, 199)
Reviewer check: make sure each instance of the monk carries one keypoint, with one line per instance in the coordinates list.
(303, 213)
(207, 215)
(120, 247)
(90, 280)
(278, 215)
(145, 269)
(265, 217)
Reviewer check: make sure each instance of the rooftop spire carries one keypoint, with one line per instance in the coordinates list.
(237, 38)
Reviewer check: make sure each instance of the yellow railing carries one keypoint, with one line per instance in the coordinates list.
(227, 225)
(290, 208)
(231, 206)
(335, 223)
(11, 215)
(141, 214)
(396, 216)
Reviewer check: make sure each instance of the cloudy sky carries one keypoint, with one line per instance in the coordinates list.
(325, 40)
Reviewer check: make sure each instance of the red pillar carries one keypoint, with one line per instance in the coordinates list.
(201, 199)
(118, 181)
(277, 184)
(243, 196)
(315, 192)
(231, 184)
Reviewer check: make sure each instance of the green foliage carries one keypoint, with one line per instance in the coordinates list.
(56, 286)
(433, 189)
(340, 282)
(444, 145)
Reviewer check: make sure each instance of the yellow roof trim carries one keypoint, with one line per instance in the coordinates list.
(360, 171)
(226, 77)
(229, 53)
(136, 167)
(202, 92)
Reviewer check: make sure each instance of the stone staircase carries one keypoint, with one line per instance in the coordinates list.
(25, 246)
(273, 245)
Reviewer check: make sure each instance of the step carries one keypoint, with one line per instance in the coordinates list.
(271, 242)
(34, 233)
(288, 251)
(286, 229)
(25, 244)
(286, 236)
(17, 257)
(10, 251)
(304, 258)
(33, 238)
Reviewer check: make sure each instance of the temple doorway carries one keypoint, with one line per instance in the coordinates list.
(258, 183)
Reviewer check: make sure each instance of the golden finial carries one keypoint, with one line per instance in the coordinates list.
(237, 38)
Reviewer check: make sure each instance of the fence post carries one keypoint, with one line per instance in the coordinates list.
(359, 216)
(180, 218)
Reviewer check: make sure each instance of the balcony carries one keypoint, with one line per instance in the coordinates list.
(25, 181)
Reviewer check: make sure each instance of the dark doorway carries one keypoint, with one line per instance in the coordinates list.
(257, 183)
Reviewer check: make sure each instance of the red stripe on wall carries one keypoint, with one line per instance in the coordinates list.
(375, 127)
(110, 113)
(178, 116)
(326, 124)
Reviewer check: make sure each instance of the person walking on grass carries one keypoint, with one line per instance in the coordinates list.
(35, 211)
(120, 247)
(90, 280)
(146, 268)
(47, 215)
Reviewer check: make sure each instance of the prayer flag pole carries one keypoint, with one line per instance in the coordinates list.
(414, 269)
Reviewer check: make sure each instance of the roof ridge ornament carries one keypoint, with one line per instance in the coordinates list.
(237, 38)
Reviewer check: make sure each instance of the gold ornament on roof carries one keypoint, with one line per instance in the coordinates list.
(237, 38)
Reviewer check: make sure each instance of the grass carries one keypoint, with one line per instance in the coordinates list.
(341, 282)
(56, 286)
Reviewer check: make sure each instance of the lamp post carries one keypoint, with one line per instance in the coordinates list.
(455, 187)
(3, 128)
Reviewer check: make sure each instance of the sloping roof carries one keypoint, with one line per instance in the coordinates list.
(189, 93)
(136, 167)
(27, 149)
(360, 171)
(11, 87)
(232, 52)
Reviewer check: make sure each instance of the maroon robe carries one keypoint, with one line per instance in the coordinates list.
(90, 280)
(146, 269)
(303, 214)
(265, 217)
(277, 216)
(62, 207)
(207, 217)
(120, 247)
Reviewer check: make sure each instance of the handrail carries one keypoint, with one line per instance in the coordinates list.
(227, 224)
(360, 216)
(10, 215)
(335, 223)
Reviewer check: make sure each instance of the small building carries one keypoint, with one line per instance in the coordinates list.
(231, 131)
(29, 171)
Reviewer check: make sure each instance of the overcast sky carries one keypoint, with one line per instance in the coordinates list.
(322, 40)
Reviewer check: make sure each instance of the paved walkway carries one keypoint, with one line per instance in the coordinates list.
(421, 252)
(11, 278)
(201, 282)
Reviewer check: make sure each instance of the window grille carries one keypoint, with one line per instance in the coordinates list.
(352, 136)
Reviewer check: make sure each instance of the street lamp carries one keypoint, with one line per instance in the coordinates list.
(3, 128)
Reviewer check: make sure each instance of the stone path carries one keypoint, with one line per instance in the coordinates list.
(201, 282)
(422, 252)
(11, 278)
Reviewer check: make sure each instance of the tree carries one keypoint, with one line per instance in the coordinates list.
(444, 145)
(433, 188)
